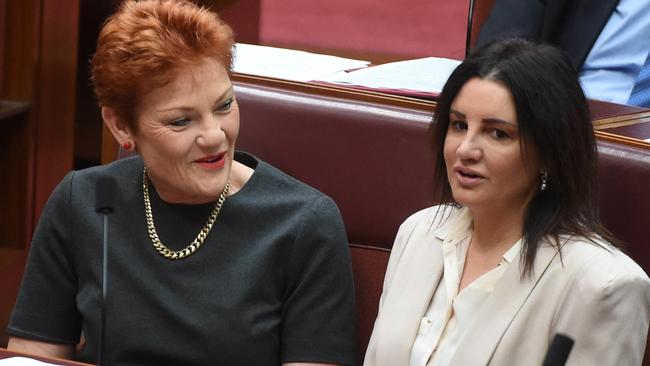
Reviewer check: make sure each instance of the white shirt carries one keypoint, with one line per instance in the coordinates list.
(451, 313)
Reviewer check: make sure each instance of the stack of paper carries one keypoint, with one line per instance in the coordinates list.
(289, 64)
(425, 75)
(23, 361)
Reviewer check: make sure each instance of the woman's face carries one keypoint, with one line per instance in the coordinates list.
(483, 151)
(187, 132)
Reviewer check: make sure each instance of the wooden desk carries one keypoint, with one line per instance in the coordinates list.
(4, 353)
(625, 124)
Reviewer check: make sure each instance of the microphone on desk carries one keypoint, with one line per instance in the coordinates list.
(559, 350)
(105, 194)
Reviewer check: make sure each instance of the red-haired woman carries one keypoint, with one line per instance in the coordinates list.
(266, 278)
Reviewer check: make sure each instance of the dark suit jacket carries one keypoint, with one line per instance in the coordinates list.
(572, 25)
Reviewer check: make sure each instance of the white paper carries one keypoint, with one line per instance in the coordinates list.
(424, 75)
(23, 361)
(289, 64)
(647, 140)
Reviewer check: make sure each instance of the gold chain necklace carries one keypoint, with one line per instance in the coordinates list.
(161, 248)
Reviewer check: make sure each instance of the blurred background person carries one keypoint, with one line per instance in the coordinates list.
(516, 253)
(266, 277)
(607, 41)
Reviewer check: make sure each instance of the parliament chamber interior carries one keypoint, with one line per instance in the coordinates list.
(51, 124)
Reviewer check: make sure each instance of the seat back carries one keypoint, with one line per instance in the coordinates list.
(369, 266)
(624, 178)
(372, 159)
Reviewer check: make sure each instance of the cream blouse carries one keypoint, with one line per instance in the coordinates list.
(450, 313)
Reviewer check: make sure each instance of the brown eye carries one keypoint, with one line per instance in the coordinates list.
(499, 134)
(458, 125)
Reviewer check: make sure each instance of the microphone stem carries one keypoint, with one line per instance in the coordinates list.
(104, 281)
(470, 21)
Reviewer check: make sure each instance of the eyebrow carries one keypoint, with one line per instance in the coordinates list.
(218, 100)
(485, 120)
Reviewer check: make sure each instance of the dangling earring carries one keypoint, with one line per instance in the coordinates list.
(127, 145)
(544, 183)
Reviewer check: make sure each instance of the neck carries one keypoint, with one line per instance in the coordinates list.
(497, 232)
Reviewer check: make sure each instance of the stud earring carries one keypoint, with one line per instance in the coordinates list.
(127, 145)
(544, 183)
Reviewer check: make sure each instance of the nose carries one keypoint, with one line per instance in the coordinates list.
(210, 133)
(469, 147)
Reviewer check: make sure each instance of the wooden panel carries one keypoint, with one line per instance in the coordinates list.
(39, 67)
(21, 38)
(55, 101)
(16, 149)
(3, 12)
(49, 360)
(88, 122)
(13, 212)
(11, 271)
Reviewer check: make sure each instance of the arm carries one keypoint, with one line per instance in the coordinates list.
(318, 320)
(430, 218)
(45, 310)
(606, 311)
(38, 348)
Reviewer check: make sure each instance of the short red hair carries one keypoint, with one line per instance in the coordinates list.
(146, 43)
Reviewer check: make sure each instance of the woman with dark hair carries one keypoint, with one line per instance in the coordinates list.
(215, 257)
(515, 253)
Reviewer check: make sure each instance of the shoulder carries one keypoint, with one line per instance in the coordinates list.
(126, 172)
(426, 228)
(82, 182)
(599, 287)
(130, 167)
(433, 219)
(601, 267)
(269, 182)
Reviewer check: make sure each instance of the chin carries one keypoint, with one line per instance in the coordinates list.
(469, 201)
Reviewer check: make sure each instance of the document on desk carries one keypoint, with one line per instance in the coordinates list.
(23, 361)
(289, 64)
(425, 75)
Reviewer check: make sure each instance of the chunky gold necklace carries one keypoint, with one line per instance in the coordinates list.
(161, 248)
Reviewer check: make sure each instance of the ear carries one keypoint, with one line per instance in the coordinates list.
(120, 131)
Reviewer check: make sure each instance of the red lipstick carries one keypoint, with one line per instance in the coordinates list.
(212, 162)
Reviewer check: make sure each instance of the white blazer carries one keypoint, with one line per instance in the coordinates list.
(596, 295)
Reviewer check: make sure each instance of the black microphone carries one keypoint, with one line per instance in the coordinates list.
(559, 350)
(104, 200)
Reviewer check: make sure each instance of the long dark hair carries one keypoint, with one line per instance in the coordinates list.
(553, 118)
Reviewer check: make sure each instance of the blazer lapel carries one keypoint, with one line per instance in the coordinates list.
(413, 286)
(410, 294)
(500, 309)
